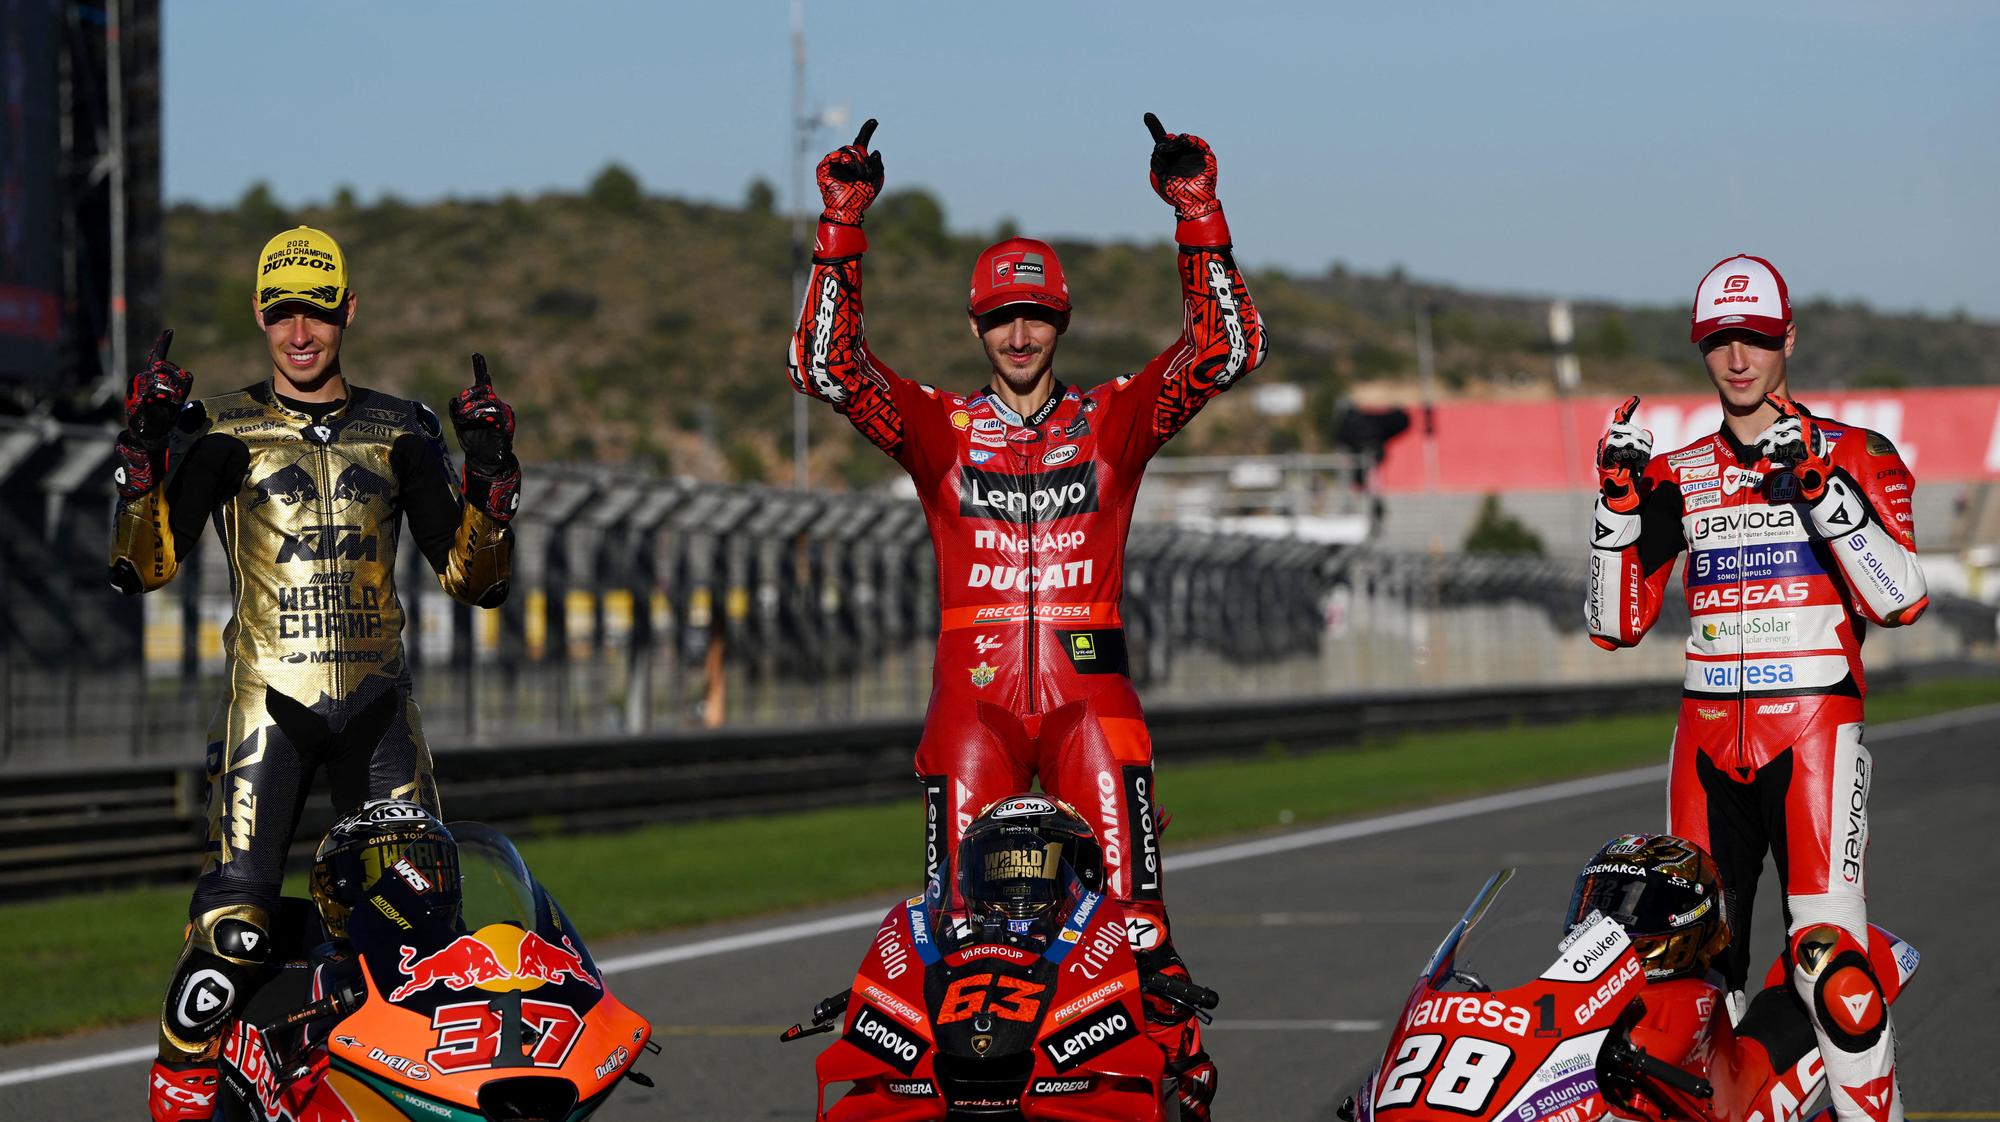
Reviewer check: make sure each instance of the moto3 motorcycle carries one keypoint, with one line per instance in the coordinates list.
(1545, 1051)
(974, 1021)
(500, 1017)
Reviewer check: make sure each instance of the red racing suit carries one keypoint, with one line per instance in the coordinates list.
(1767, 753)
(1028, 517)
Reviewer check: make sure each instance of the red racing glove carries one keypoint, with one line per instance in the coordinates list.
(154, 397)
(1183, 174)
(485, 427)
(1796, 441)
(849, 179)
(1622, 454)
(1194, 1086)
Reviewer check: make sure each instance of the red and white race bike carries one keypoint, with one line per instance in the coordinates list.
(1542, 1052)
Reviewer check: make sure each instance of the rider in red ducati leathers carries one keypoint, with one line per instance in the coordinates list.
(1028, 487)
(1799, 534)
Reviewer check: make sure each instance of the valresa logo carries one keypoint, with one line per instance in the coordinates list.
(1737, 282)
(1032, 497)
(1090, 1037)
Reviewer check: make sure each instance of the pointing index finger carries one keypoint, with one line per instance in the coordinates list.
(160, 345)
(479, 375)
(866, 134)
(1154, 126)
(1626, 410)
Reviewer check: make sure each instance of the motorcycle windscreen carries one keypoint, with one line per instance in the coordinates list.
(507, 991)
(1526, 1053)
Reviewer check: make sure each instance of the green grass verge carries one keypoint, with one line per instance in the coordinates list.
(81, 961)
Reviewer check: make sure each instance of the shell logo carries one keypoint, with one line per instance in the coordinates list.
(960, 419)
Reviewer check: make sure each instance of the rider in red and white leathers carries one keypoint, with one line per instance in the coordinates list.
(1028, 511)
(1797, 540)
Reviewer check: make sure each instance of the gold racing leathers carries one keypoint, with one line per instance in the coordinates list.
(306, 498)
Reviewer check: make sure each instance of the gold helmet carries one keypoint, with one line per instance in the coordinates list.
(1666, 893)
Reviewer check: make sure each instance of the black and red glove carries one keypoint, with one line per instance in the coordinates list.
(849, 179)
(1622, 454)
(1796, 441)
(1194, 1086)
(485, 427)
(1183, 173)
(155, 396)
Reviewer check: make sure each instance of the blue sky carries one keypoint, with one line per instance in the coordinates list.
(1577, 149)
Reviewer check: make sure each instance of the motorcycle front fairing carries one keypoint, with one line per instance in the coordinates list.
(989, 1027)
(1527, 1053)
(506, 991)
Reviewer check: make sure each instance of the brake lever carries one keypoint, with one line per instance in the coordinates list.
(823, 1015)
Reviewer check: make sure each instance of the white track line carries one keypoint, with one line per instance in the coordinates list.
(1218, 855)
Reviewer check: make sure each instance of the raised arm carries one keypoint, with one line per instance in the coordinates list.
(145, 549)
(829, 357)
(1857, 491)
(1635, 535)
(1222, 337)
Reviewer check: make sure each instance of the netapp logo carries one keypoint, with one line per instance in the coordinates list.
(1034, 497)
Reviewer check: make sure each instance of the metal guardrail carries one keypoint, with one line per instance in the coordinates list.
(65, 832)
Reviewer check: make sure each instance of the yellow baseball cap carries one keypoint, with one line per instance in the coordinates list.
(302, 264)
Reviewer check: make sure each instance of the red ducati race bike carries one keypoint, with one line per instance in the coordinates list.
(1553, 1049)
(957, 1013)
(487, 1012)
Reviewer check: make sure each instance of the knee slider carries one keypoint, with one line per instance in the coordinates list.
(1830, 970)
(226, 947)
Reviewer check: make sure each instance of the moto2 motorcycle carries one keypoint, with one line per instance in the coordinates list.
(1543, 1051)
(501, 1017)
(976, 1021)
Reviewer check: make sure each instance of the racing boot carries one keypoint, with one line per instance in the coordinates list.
(181, 1090)
(1191, 1076)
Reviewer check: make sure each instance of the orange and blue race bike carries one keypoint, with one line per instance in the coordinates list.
(1568, 1046)
(951, 1019)
(499, 1015)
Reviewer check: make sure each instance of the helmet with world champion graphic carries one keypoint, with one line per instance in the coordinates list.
(1018, 858)
(1665, 892)
(389, 847)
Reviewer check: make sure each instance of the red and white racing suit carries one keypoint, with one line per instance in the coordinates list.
(1028, 517)
(1768, 752)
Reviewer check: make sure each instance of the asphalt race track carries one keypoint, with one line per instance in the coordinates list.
(1313, 948)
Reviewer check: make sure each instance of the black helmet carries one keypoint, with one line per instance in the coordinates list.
(1012, 857)
(387, 837)
(1665, 892)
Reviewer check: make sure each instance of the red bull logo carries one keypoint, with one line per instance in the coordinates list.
(498, 957)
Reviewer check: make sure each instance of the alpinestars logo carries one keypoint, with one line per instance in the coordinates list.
(1033, 497)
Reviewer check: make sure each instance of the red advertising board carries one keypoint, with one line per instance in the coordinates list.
(1946, 435)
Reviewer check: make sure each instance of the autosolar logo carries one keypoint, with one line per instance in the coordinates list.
(1033, 497)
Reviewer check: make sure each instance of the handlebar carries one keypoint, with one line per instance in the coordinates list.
(1195, 999)
(824, 1014)
(1672, 1076)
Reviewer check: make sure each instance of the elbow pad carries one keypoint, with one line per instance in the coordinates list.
(143, 556)
(1884, 577)
(480, 565)
(1611, 596)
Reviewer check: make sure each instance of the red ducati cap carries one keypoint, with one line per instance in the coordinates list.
(1018, 271)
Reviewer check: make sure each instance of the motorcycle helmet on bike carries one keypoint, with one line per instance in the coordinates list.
(1011, 859)
(386, 837)
(1665, 892)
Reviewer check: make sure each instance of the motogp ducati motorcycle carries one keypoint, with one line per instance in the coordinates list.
(1541, 1052)
(502, 1016)
(975, 1022)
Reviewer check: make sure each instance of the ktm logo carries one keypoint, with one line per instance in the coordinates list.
(1736, 283)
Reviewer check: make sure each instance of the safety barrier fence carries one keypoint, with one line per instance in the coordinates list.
(63, 832)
